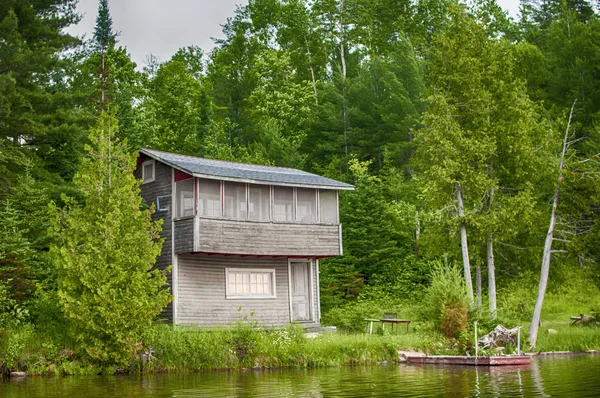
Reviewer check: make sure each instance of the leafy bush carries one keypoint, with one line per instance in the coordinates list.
(446, 304)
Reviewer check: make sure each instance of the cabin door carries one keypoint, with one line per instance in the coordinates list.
(300, 284)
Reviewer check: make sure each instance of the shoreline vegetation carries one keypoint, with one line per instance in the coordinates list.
(245, 345)
(472, 139)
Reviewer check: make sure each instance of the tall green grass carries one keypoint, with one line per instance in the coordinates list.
(244, 346)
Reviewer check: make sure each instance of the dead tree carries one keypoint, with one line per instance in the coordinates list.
(537, 311)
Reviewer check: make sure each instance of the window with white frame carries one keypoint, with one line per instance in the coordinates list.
(306, 205)
(283, 204)
(234, 200)
(184, 198)
(328, 208)
(148, 171)
(259, 202)
(249, 283)
(209, 201)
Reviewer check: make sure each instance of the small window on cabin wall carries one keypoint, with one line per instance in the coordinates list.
(148, 171)
(259, 202)
(328, 208)
(209, 203)
(306, 205)
(283, 204)
(234, 204)
(184, 197)
(249, 283)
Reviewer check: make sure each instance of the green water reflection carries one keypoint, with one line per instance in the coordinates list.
(575, 376)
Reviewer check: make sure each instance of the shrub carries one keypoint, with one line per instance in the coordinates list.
(446, 304)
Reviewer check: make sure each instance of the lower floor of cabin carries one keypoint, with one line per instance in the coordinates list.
(214, 290)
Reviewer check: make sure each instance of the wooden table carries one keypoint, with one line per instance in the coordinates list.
(384, 321)
(395, 322)
(370, 324)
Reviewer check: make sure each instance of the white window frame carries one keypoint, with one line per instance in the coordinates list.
(270, 202)
(249, 271)
(316, 220)
(146, 179)
(221, 199)
(223, 184)
(179, 200)
(337, 207)
(294, 204)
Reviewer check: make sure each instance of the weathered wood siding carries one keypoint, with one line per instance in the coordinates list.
(161, 186)
(260, 238)
(201, 293)
(184, 235)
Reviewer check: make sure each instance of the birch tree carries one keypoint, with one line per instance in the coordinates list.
(482, 146)
(547, 253)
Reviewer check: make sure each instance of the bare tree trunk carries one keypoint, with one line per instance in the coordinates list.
(464, 245)
(417, 234)
(490, 260)
(341, 26)
(537, 311)
(491, 277)
(312, 72)
(343, 61)
(478, 285)
(102, 80)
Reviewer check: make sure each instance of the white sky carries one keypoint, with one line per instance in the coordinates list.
(161, 27)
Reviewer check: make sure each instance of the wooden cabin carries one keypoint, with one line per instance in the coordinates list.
(242, 239)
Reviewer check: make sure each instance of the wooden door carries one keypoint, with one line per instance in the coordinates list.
(300, 291)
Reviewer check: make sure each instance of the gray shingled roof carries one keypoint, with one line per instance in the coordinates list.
(218, 169)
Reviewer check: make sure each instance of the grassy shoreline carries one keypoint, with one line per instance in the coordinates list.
(245, 346)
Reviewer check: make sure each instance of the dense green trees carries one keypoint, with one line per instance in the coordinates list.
(447, 118)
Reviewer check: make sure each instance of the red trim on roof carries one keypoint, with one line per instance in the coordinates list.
(180, 175)
(239, 255)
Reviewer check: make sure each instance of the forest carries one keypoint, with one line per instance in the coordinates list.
(473, 139)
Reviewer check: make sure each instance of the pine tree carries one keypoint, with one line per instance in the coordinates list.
(104, 253)
(104, 40)
(104, 36)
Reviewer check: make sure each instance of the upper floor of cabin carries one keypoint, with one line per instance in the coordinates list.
(229, 208)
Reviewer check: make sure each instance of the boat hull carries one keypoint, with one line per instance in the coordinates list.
(504, 360)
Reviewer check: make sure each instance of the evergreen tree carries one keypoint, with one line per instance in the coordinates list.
(104, 36)
(104, 253)
(37, 116)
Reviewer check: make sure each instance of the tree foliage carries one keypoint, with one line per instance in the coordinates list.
(412, 101)
(104, 252)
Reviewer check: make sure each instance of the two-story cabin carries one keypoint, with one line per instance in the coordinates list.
(241, 238)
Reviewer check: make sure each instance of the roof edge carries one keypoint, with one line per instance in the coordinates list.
(346, 187)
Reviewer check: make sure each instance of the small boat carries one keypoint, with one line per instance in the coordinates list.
(498, 360)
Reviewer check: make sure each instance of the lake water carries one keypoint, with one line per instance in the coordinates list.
(577, 376)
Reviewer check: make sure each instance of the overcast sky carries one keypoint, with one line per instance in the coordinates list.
(161, 27)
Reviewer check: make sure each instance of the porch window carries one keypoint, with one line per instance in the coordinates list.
(148, 171)
(184, 198)
(235, 200)
(249, 283)
(328, 209)
(209, 203)
(306, 205)
(259, 202)
(283, 204)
